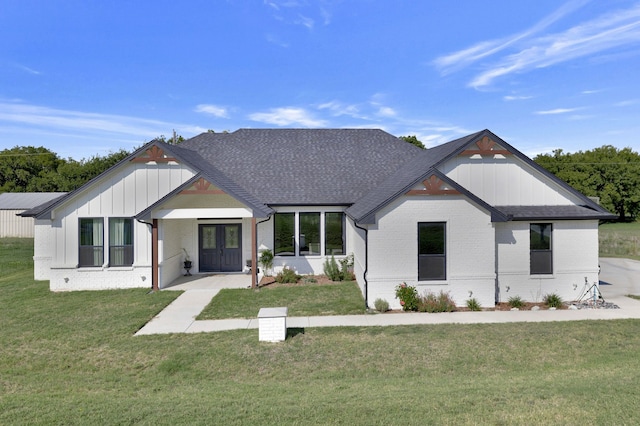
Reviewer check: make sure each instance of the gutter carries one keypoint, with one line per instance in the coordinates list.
(366, 264)
(254, 268)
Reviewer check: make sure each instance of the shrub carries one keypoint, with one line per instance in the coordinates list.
(332, 270)
(553, 300)
(266, 260)
(381, 305)
(309, 279)
(408, 296)
(339, 273)
(287, 276)
(431, 302)
(516, 302)
(473, 305)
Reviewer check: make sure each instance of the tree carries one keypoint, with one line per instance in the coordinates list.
(606, 172)
(413, 140)
(23, 169)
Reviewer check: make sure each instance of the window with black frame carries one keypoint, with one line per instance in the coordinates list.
(284, 234)
(120, 241)
(91, 251)
(432, 259)
(541, 253)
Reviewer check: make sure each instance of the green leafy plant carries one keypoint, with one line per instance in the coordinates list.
(408, 296)
(516, 302)
(553, 300)
(266, 260)
(473, 304)
(287, 276)
(332, 270)
(430, 302)
(381, 305)
(346, 268)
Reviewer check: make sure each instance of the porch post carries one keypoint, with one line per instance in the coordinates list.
(154, 255)
(254, 254)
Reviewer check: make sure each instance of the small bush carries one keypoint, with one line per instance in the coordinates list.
(287, 276)
(332, 270)
(473, 305)
(553, 300)
(431, 302)
(516, 302)
(381, 305)
(309, 279)
(408, 296)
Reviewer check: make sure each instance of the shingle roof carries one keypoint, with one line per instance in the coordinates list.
(26, 200)
(526, 213)
(305, 166)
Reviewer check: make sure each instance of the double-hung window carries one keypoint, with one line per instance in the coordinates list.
(91, 242)
(120, 241)
(432, 258)
(541, 254)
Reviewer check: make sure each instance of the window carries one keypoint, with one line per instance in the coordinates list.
(541, 259)
(91, 242)
(284, 226)
(309, 233)
(432, 260)
(334, 234)
(120, 242)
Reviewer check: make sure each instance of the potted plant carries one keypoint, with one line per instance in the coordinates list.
(266, 260)
(187, 262)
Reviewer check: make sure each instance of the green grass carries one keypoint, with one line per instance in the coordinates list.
(333, 299)
(71, 358)
(620, 240)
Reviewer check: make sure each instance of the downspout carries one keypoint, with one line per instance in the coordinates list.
(366, 264)
(254, 268)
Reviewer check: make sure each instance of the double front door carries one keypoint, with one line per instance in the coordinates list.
(220, 247)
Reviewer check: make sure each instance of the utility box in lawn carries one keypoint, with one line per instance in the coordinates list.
(272, 324)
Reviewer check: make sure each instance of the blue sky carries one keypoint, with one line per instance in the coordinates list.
(84, 78)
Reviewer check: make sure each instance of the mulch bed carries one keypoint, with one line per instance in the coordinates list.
(305, 280)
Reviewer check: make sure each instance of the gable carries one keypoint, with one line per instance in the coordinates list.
(495, 173)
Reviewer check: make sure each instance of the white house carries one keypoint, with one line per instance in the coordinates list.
(473, 217)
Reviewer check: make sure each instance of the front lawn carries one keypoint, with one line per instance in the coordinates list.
(305, 300)
(620, 240)
(72, 359)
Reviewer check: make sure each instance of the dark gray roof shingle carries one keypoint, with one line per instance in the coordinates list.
(305, 166)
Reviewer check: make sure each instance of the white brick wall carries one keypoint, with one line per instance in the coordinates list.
(393, 249)
(272, 324)
(575, 257)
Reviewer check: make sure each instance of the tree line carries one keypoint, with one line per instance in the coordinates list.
(609, 173)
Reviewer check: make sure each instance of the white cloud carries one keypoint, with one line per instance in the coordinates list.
(556, 111)
(50, 118)
(608, 31)
(305, 21)
(288, 116)
(516, 98)
(214, 110)
(626, 103)
(462, 58)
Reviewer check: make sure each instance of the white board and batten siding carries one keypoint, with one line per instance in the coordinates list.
(470, 247)
(506, 181)
(122, 193)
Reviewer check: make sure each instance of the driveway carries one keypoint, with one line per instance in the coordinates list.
(619, 277)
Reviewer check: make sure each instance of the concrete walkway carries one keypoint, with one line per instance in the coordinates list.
(619, 277)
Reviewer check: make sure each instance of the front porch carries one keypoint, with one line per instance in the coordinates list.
(210, 282)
